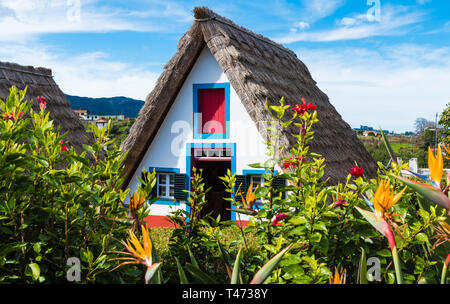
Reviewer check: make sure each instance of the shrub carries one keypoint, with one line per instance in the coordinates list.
(55, 203)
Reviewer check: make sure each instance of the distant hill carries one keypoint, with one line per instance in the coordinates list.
(107, 105)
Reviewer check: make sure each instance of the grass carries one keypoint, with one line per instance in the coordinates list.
(161, 237)
(230, 239)
(398, 146)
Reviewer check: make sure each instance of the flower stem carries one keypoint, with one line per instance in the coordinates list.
(398, 270)
(391, 239)
(444, 269)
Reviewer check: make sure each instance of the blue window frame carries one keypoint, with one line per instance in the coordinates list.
(253, 174)
(198, 133)
(164, 179)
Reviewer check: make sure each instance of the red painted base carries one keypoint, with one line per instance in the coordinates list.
(163, 221)
(158, 221)
(242, 223)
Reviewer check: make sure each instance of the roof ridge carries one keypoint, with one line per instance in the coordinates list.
(213, 16)
(4, 67)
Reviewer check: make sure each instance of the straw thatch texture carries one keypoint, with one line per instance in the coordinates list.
(39, 82)
(257, 68)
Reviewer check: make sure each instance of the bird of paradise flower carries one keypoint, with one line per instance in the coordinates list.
(138, 253)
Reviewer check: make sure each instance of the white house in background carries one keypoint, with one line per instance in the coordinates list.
(101, 123)
(81, 114)
(206, 111)
(118, 117)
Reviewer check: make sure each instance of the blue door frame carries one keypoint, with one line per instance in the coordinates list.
(190, 146)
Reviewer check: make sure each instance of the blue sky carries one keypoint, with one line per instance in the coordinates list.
(381, 63)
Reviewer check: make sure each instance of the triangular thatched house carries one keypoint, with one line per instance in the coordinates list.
(39, 82)
(225, 72)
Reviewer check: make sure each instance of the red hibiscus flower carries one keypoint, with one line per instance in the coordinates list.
(287, 165)
(278, 218)
(42, 102)
(357, 171)
(301, 108)
(297, 161)
(63, 147)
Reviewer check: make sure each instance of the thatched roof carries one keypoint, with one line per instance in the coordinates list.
(257, 68)
(39, 82)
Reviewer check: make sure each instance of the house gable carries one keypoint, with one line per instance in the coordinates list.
(171, 146)
(258, 69)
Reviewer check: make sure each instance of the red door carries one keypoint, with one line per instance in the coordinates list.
(211, 106)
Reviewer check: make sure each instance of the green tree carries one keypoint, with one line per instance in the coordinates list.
(444, 120)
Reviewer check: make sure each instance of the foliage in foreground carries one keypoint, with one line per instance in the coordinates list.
(56, 204)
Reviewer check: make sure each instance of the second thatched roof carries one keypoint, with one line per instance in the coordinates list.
(40, 82)
(258, 69)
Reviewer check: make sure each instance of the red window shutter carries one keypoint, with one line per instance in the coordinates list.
(211, 106)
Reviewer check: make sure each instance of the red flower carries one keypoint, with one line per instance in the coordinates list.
(340, 204)
(279, 217)
(8, 116)
(295, 163)
(42, 102)
(357, 171)
(301, 108)
(63, 147)
(20, 114)
(287, 165)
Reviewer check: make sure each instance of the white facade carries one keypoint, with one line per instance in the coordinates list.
(169, 147)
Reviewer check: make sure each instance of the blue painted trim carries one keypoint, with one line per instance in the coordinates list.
(165, 201)
(226, 87)
(165, 170)
(190, 146)
(256, 172)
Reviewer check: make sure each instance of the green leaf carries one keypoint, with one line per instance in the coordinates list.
(37, 247)
(362, 271)
(181, 273)
(267, 269)
(236, 271)
(191, 256)
(421, 237)
(389, 148)
(297, 220)
(33, 270)
(384, 253)
(199, 274)
(242, 211)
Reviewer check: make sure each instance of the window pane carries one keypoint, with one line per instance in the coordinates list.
(162, 191)
(256, 180)
(161, 179)
(172, 191)
(172, 179)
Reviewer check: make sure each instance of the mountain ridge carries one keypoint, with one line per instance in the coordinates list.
(117, 105)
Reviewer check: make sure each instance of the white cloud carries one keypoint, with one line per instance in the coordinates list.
(26, 19)
(394, 21)
(388, 87)
(89, 74)
(318, 9)
(300, 26)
